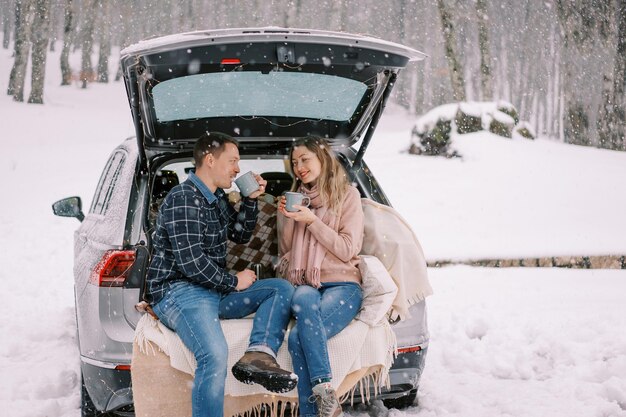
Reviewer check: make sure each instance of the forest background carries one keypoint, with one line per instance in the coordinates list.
(561, 63)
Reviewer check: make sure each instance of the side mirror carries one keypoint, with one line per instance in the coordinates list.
(69, 207)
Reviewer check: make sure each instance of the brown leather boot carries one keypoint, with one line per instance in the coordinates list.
(262, 368)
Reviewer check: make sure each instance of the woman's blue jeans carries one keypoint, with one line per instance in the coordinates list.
(193, 312)
(320, 314)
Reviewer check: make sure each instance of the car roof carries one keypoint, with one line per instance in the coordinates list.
(264, 34)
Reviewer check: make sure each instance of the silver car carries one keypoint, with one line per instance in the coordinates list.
(264, 86)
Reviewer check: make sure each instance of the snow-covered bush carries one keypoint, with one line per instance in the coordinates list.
(468, 118)
(501, 124)
(434, 141)
(432, 132)
(507, 108)
(524, 130)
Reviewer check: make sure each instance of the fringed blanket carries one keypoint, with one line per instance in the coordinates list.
(360, 358)
(390, 238)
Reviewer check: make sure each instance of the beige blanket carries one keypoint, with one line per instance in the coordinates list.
(360, 357)
(390, 238)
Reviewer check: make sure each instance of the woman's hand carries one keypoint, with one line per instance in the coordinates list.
(302, 215)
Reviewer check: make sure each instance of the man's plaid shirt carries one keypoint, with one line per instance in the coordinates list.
(190, 238)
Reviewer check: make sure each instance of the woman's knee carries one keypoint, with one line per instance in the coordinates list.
(305, 298)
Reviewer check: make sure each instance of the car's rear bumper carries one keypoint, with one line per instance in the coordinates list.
(404, 376)
(109, 388)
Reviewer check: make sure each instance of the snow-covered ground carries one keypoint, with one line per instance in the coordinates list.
(505, 342)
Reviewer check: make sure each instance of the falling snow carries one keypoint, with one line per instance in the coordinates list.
(505, 342)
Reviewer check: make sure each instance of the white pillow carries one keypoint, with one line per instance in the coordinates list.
(379, 290)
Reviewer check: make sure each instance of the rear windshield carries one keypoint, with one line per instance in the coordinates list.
(251, 93)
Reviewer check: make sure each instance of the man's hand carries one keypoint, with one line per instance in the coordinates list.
(262, 185)
(245, 278)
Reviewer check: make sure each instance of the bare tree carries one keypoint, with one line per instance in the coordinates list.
(17, 8)
(105, 44)
(333, 11)
(53, 16)
(454, 64)
(40, 38)
(6, 23)
(87, 35)
(293, 14)
(485, 53)
(612, 118)
(66, 71)
(22, 48)
(124, 31)
(583, 24)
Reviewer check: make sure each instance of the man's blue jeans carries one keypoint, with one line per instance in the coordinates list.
(193, 312)
(320, 314)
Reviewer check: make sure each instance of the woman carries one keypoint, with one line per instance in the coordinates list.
(319, 247)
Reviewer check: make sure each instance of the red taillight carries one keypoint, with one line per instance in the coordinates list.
(113, 268)
(409, 349)
(123, 367)
(231, 61)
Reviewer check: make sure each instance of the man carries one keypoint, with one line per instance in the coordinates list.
(190, 290)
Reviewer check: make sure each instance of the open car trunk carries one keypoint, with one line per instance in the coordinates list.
(263, 86)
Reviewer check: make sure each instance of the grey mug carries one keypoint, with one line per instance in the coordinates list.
(247, 184)
(298, 199)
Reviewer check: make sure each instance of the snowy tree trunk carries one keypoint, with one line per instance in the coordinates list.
(413, 92)
(16, 20)
(125, 36)
(612, 117)
(557, 115)
(40, 39)
(89, 15)
(293, 15)
(619, 82)
(6, 23)
(454, 64)
(343, 15)
(66, 71)
(105, 44)
(425, 76)
(165, 18)
(485, 54)
(575, 123)
(584, 26)
(53, 17)
(402, 7)
(333, 13)
(22, 47)
(576, 116)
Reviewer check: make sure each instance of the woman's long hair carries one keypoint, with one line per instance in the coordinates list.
(332, 182)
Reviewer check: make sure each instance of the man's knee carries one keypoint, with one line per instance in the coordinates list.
(214, 353)
(282, 287)
(293, 344)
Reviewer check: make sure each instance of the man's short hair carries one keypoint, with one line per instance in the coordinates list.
(211, 143)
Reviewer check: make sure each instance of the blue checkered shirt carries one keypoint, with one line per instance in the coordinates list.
(189, 242)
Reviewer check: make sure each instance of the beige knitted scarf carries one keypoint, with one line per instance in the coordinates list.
(301, 265)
